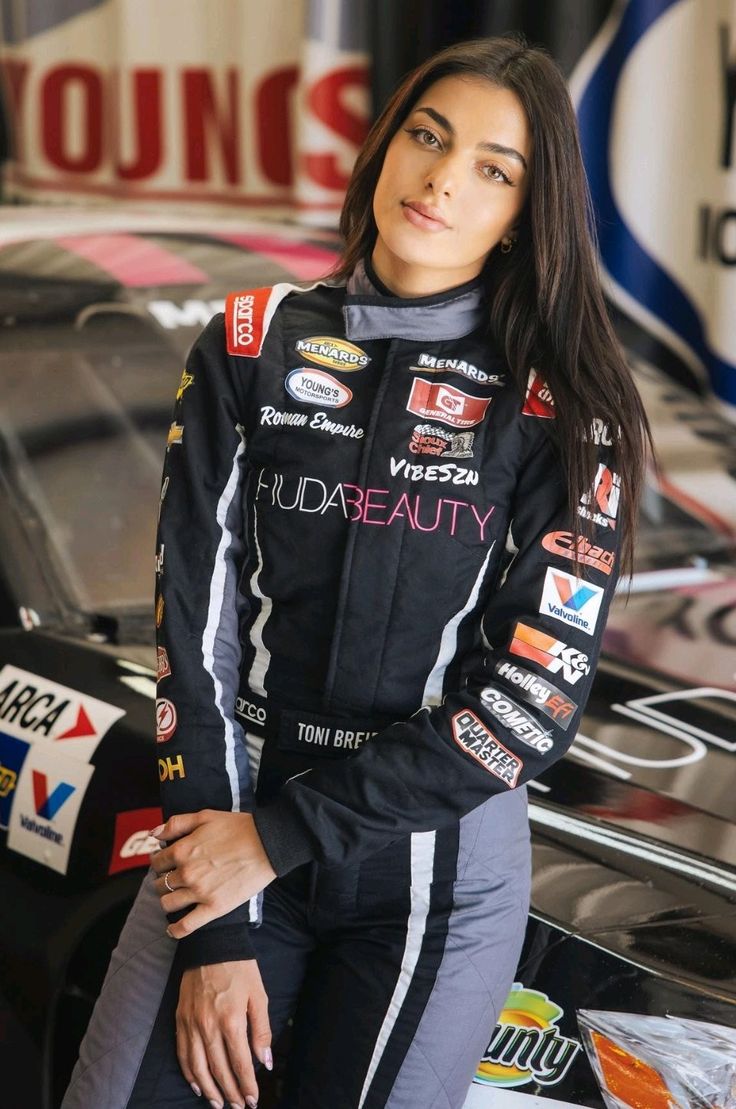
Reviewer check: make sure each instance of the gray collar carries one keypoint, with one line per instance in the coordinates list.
(369, 314)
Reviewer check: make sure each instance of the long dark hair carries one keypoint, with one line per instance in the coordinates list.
(546, 304)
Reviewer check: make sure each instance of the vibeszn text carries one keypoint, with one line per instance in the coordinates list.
(382, 507)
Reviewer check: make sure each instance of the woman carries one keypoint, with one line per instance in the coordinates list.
(394, 509)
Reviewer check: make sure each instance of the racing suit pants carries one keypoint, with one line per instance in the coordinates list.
(393, 971)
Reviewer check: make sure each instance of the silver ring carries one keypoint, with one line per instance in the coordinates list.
(166, 881)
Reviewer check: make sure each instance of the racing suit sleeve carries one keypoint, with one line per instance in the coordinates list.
(542, 627)
(200, 551)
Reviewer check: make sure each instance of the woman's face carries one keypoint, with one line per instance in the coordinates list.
(463, 154)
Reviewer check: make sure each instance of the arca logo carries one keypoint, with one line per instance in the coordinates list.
(45, 805)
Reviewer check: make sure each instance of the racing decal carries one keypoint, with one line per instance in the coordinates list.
(322, 739)
(246, 321)
(446, 471)
(431, 364)
(271, 417)
(554, 655)
(159, 611)
(601, 433)
(176, 434)
(163, 669)
(379, 507)
(472, 736)
(336, 354)
(570, 600)
(171, 768)
(317, 387)
(566, 544)
(428, 439)
(160, 560)
(48, 796)
(132, 845)
(601, 504)
(187, 379)
(518, 723)
(446, 403)
(166, 720)
(526, 1046)
(12, 756)
(538, 400)
(38, 710)
(533, 689)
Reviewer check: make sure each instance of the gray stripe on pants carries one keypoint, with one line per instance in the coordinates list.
(116, 1040)
(484, 940)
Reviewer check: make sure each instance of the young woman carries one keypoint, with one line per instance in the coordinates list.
(394, 509)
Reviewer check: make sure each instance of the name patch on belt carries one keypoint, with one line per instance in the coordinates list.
(326, 739)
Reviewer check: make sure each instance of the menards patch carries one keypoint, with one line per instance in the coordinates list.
(38, 710)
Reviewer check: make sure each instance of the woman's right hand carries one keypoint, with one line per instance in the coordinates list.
(220, 1007)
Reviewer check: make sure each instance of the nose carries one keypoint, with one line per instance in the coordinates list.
(442, 177)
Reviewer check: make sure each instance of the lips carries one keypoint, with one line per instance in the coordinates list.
(423, 215)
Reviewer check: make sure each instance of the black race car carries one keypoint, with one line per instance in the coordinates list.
(634, 899)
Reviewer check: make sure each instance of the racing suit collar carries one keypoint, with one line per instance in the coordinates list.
(371, 313)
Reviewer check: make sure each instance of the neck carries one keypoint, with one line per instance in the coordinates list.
(405, 279)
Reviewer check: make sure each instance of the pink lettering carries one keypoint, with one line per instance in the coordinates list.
(457, 504)
(436, 524)
(358, 502)
(403, 500)
(369, 505)
(482, 522)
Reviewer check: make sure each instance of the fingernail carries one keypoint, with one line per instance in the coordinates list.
(268, 1058)
(196, 1089)
(168, 933)
(156, 832)
(251, 1103)
(216, 1104)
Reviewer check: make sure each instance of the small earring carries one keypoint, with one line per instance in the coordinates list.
(507, 245)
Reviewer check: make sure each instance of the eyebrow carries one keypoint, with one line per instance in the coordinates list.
(494, 147)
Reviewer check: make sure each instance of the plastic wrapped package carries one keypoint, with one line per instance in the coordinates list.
(644, 1062)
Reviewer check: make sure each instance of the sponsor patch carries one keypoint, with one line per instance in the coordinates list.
(430, 364)
(160, 560)
(428, 439)
(317, 387)
(166, 720)
(12, 756)
(526, 1045)
(538, 400)
(442, 472)
(601, 433)
(176, 434)
(164, 490)
(601, 504)
(320, 421)
(132, 845)
(380, 507)
(472, 736)
(521, 725)
(533, 689)
(48, 796)
(171, 768)
(554, 655)
(159, 611)
(246, 321)
(254, 714)
(37, 710)
(452, 406)
(566, 544)
(163, 670)
(570, 600)
(187, 379)
(336, 354)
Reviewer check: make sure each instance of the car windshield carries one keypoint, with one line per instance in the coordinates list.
(84, 435)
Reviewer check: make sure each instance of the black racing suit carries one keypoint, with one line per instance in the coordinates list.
(367, 611)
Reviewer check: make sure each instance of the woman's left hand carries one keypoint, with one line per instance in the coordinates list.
(217, 863)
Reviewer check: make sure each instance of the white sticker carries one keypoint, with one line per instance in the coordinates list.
(570, 600)
(48, 796)
(38, 710)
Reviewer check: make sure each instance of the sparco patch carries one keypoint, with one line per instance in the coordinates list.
(446, 403)
(246, 321)
(472, 736)
(317, 387)
(338, 354)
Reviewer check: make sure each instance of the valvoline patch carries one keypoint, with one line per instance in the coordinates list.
(246, 321)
